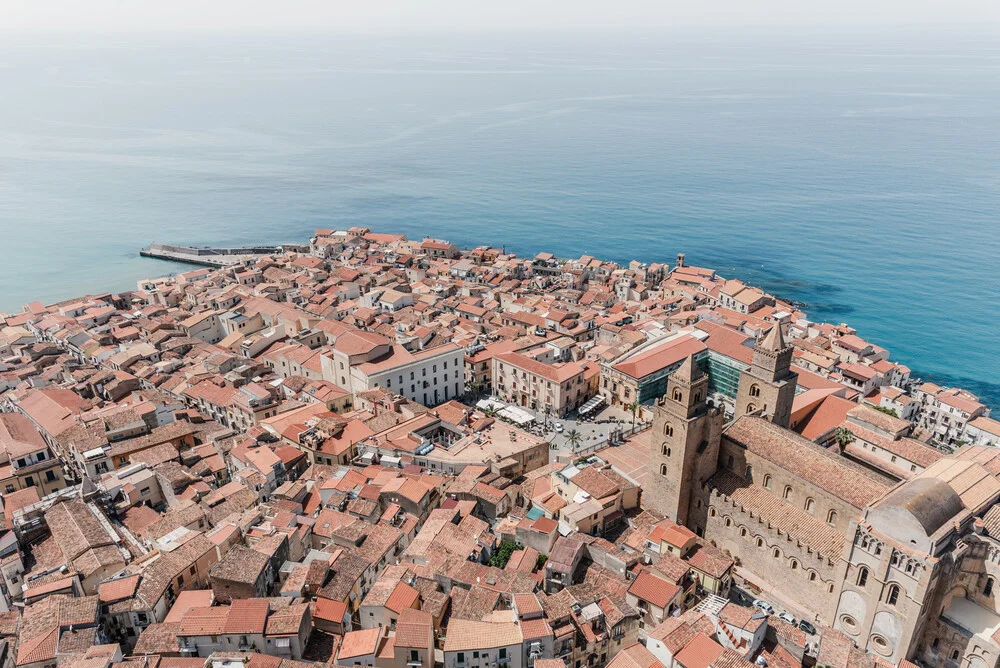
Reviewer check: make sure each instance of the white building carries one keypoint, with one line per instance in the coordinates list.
(364, 361)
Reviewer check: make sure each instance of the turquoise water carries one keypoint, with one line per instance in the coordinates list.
(857, 172)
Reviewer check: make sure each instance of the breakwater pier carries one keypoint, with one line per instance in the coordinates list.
(209, 257)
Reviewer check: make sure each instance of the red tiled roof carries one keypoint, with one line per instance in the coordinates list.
(699, 653)
(653, 589)
(247, 615)
(117, 590)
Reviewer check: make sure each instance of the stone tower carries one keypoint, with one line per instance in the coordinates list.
(684, 443)
(768, 386)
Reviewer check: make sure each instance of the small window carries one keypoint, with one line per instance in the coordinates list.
(831, 517)
(788, 492)
(810, 505)
(812, 576)
(678, 395)
(793, 564)
(743, 532)
(760, 542)
(893, 597)
(767, 482)
(862, 576)
(754, 391)
(668, 430)
(988, 589)
(663, 469)
(749, 475)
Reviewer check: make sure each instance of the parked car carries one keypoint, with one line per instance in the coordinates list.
(763, 605)
(807, 627)
(784, 616)
(559, 427)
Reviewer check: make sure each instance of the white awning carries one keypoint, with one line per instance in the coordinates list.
(591, 404)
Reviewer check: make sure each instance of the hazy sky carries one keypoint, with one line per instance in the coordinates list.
(381, 15)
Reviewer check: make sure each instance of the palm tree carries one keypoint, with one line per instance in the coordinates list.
(574, 438)
(843, 437)
(632, 408)
(476, 385)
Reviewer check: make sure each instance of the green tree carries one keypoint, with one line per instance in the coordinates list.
(574, 438)
(502, 555)
(843, 437)
(633, 408)
(540, 562)
(887, 411)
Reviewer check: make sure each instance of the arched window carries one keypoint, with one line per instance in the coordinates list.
(831, 517)
(934, 645)
(749, 472)
(954, 655)
(743, 532)
(666, 451)
(862, 576)
(754, 391)
(668, 430)
(988, 589)
(729, 522)
(812, 576)
(663, 469)
(697, 397)
(776, 553)
(751, 408)
(788, 492)
(678, 395)
(760, 542)
(893, 595)
(794, 565)
(830, 588)
(810, 505)
(729, 462)
(767, 481)
(711, 513)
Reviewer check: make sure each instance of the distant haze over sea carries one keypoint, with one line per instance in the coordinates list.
(856, 171)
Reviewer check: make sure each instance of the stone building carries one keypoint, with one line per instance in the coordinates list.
(904, 568)
(767, 388)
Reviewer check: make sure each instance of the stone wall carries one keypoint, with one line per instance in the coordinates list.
(808, 578)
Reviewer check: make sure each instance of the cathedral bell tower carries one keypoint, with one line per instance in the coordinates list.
(684, 443)
(767, 388)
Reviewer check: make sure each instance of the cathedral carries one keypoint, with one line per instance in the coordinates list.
(904, 564)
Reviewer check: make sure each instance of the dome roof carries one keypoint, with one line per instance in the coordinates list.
(922, 504)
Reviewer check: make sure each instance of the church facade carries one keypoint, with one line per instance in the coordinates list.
(905, 568)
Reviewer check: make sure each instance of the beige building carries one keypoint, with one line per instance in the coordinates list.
(522, 380)
(25, 458)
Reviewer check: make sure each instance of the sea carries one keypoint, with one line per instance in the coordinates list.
(854, 170)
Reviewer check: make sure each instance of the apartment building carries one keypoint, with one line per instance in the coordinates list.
(362, 361)
(522, 380)
(25, 458)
